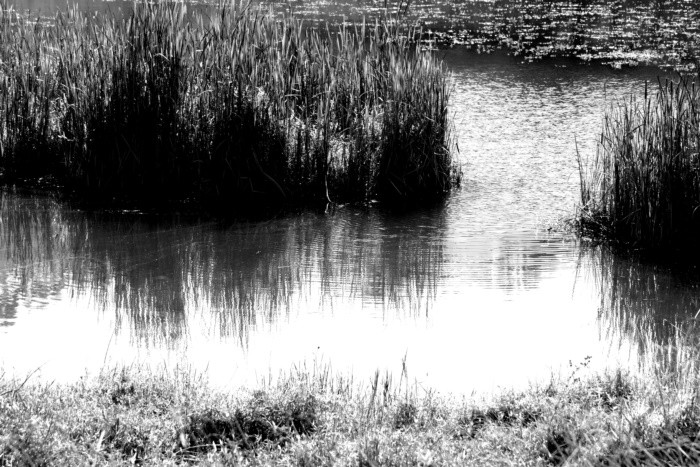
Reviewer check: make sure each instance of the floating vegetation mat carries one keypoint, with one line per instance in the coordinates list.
(231, 106)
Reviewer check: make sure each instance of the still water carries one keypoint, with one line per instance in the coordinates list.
(473, 295)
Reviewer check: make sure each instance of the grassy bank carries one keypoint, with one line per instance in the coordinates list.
(642, 189)
(231, 107)
(145, 418)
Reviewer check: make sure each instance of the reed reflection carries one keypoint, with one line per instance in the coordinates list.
(37, 255)
(164, 278)
(393, 261)
(647, 304)
(520, 262)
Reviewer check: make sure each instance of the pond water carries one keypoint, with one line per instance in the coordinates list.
(473, 295)
(619, 31)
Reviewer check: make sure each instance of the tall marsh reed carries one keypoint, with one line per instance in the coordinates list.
(229, 105)
(643, 187)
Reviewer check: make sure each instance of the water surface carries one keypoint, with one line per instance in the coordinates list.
(619, 31)
(475, 294)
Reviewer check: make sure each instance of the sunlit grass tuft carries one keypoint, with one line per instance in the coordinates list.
(311, 416)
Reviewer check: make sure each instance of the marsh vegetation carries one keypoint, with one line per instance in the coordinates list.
(242, 108)
(642, 189)
(161, 288)
(231, 108)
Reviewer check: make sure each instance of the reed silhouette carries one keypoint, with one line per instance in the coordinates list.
(231, 107)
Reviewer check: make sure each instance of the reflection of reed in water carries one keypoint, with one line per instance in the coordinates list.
(509, 263)
(642, 303)
(394, 261)
(37, 256)
(519, 262)
(164, 279)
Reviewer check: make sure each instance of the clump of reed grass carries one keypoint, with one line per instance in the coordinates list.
(226, 106)
(643, 187)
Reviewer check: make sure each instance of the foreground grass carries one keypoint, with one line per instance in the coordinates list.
(137, 417)
(642, 190)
